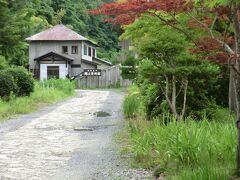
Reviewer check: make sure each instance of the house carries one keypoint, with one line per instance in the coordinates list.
(60, 52)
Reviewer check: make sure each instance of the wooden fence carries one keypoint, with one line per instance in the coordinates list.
(109, 78)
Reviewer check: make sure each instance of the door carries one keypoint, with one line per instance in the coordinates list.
(53, 72)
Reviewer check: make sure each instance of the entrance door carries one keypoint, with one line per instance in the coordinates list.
(53, 72)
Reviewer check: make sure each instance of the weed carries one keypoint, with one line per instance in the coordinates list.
(46, 92)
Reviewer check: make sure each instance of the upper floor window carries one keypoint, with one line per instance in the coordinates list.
(85, 49)
(74, 49)
(89, 51)
(65, 50)
(94, 52)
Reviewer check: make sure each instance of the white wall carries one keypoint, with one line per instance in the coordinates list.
(63, 70)
(86, 57)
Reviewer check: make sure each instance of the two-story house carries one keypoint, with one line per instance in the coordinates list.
(60, 52)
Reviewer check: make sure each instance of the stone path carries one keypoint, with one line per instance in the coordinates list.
(48, 146)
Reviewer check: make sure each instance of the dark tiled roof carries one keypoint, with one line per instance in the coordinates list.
(57, 33)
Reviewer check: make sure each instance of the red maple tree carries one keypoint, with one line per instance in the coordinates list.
(128, 11)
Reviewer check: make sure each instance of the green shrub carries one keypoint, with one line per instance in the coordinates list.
(7, 85)
(23, 80)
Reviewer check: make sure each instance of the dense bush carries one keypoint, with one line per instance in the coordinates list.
(7, 85)
(200, 97)
(23, 80)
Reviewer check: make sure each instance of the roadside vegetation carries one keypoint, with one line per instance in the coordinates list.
(46, 92)
(180, 120)
(189, 149)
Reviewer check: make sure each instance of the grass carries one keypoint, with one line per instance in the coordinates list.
(47, 92)
(183, 150)
(132, 106)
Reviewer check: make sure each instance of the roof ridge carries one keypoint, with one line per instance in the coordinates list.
(58, 32)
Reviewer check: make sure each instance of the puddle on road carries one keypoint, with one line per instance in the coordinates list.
(102, 114)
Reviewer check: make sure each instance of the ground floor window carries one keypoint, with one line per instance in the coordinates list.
(53, 72)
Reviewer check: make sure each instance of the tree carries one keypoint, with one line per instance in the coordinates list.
(218, 22)
(16, 22)
(169, 65)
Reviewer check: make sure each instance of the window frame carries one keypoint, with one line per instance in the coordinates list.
(63, 50)
(85, 50)
(74, 49)
(94, 52)
(89, 51)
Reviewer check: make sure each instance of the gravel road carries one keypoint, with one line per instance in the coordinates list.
(67, 141)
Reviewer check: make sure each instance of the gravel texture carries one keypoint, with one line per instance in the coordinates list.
(67, 141)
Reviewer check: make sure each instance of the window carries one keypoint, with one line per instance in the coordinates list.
(74, 49)
(94, 52)
(89, 51)
(53, 72)
(65, 50)
(85, 49)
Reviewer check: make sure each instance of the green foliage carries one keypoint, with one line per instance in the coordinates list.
(185, 150)
(23, 80)
(8, 85)
(129, 70)
(165, 54)
(3, 62)
(43, 94)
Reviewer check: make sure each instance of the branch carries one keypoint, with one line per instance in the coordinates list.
(169, 101)
(214, 21)
(210, 31)
(235, 69)
(169, 23)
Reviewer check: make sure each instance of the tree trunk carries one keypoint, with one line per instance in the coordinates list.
(235, 10)
(232, 92)
(184, 98)
(174, 92)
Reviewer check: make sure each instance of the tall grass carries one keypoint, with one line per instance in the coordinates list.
(132, 105)
(185, 150)
(46, 92)
(190, 149)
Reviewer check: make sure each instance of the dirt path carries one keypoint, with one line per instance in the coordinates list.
(66, 141)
